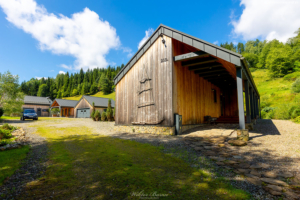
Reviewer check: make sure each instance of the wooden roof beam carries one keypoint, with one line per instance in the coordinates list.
(189, 56)
(214, 74)
(220, 77)
(205, 66)
(198, 61)
(209, 71)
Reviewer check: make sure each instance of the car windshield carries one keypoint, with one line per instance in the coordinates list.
(29, 111)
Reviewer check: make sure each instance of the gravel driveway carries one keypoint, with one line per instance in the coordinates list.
(275, 142)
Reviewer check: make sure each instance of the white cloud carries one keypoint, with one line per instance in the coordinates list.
(61, 72)
(66, 66)
(128, 51)
(83, 35)
(147, 35)
(216, 42)
(268, 19)
(38, 78)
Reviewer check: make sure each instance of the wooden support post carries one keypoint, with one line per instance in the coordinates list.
(251, 103)
(239, 83)
(60, 111)
(248, 115)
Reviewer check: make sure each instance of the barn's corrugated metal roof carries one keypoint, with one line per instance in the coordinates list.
(220, 52)
(37, 100)
(66, 103)
(99, 102)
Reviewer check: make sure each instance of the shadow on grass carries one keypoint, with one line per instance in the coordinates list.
(96, 167)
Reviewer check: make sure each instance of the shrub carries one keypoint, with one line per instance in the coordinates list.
(103, 116)
(296, 86)
(93, 115)
(297, 120)
(268, 112)
(109, 112)
(3, 143)
(291, 77)
(267, 109)
(97, 115)
(6, 134)
(296, 113)
(1, 111)
(6, 126)
(55, 111)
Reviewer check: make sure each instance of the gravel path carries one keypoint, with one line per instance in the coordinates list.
(275, 142)
(32, 167)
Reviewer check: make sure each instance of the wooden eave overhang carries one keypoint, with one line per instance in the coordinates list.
(207, 48)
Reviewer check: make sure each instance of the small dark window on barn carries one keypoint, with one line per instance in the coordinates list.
(215, 96)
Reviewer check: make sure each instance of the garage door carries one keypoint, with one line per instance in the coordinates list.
(83, 113)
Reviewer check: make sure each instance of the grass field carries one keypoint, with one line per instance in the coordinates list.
(274, 90)
(87, 166)
(10, 161)
(99, 94)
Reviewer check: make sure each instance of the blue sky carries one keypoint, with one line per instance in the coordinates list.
(109, 32)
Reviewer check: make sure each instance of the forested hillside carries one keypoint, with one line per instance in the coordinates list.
(69, 85)
(275, 67)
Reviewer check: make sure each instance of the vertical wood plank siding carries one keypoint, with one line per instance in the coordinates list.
(160, 73)
(193, 97)
(82, 104)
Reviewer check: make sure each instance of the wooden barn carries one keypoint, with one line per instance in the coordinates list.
(175, 73)
(66, 107)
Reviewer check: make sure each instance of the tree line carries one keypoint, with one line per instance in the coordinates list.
(67, 85)
(280, 58)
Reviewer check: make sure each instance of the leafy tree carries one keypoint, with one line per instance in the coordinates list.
(265, 52)
(251, 58)
(43, 90)
(11, 97)
(278, 61)
(74, 92)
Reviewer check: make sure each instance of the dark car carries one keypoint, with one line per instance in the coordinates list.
(29, 114)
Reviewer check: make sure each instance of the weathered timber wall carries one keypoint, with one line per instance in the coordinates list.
(156, 63)
(193, 97)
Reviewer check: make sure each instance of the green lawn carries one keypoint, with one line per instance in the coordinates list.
(86, 166)
(99, 94)
(9, 118)
(274, 90)
(10, 161)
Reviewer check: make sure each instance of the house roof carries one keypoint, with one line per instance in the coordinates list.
(220, 52)
(66, 103)
(37, 100)
(99, 102)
